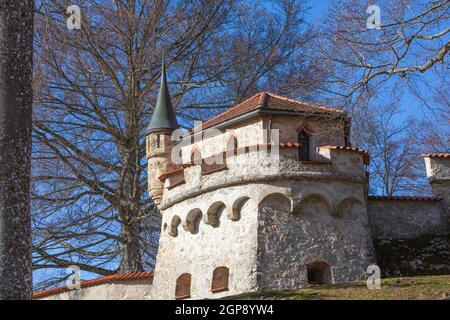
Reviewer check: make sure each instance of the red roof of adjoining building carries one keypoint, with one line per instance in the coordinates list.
(267, 100)
(437, 155)
(95, 282)
(405, 198)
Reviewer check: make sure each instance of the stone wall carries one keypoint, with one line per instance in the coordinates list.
(437, 168)
(250, 132)
(324, 132)
(405, 219)
(194, 241)
(208, 236)
(214, 141)
(119, 290)
(330, 225)
(410, 236)
(425, 255)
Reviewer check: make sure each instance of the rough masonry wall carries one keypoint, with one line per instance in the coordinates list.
(231, 243)
(424, 255)
(264, 248)
(330, 225)
(214, 141)
(325, 132)
(250, 132)
(410, 237)
(234, 244)
(405, 219)
(321, 132)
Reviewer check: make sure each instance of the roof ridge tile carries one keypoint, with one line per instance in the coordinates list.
(96, 281)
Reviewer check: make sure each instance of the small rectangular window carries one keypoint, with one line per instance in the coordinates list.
(220, 279)
(183, 287)
(158, 141)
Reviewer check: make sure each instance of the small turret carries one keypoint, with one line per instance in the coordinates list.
(438, 173)
(158, 140)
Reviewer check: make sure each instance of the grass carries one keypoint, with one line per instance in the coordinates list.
(405, 288)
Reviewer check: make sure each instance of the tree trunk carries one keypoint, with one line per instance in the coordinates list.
(130, 195)
(130, 254)
(16, 52)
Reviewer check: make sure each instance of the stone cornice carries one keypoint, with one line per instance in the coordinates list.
(241, 180)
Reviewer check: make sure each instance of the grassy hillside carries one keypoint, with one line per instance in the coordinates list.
(413, 288)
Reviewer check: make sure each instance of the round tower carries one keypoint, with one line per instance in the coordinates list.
(159, 142)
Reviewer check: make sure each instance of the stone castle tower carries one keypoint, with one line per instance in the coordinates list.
(158, 139)
(271, 215)
(271, 195)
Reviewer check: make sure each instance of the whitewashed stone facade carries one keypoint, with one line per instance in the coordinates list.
(266, 216)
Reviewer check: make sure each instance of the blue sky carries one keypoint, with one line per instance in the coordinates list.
(318, 9)
(409, 104)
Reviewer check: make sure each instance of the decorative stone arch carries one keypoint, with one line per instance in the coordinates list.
(314, 197)
(305, 137)
(183, 286)
(304, 126)
(318, 272)
(346, 205)
(213, 214)
(173, 229)
(196, 155)
(278, 201)
(235, 212)
(192, 221)
(220, 279)
(304, 149)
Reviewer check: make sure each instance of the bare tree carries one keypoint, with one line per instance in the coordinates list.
(95, 88)
(411, 41)
(435, 131)
(392, 142)
(372, 71)
(16, 57)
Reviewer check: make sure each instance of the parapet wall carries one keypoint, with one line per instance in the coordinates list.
(128, 286)
(405, 217)
(256, 166)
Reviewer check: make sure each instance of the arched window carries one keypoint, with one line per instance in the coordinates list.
(303, 150)
(183, 287)
(220, 279)
(196, 156)
(232, 146)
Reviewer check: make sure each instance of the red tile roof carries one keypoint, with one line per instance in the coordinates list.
(289, 145)
(437, 155)
(405, 198)
(166, 174)
(95, 282)
(267, 100)
(365, 155)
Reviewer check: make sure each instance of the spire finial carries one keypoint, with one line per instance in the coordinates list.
(163, 115)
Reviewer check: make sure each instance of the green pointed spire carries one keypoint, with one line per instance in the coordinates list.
(163, 115)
